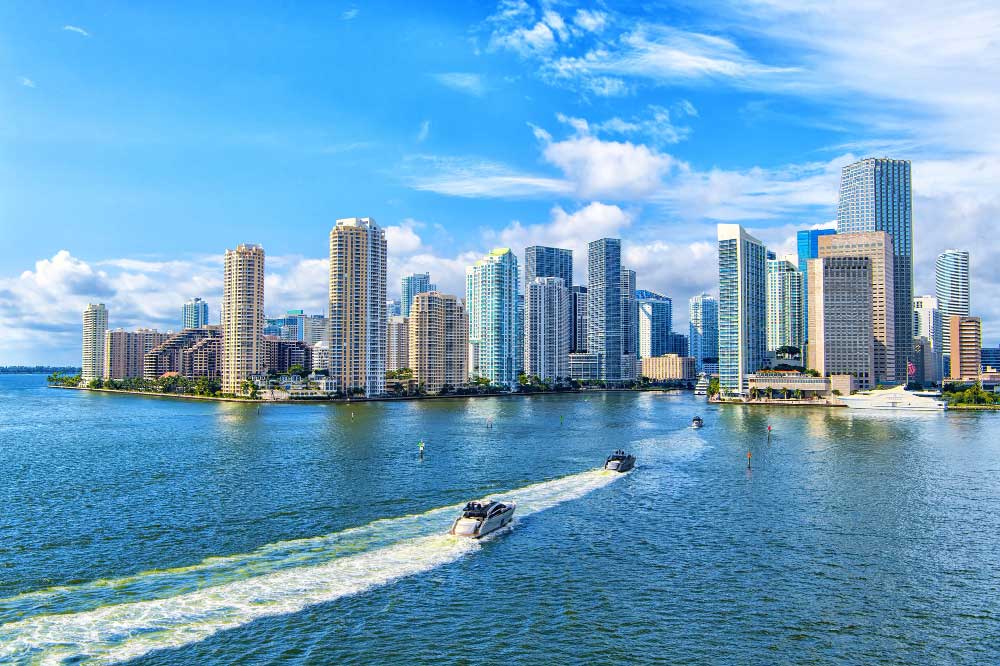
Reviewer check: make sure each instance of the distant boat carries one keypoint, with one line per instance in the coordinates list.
(701, 388)
(697, 422)
(897, 398)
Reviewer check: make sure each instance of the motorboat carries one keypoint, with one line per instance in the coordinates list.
(480, 518)
(896, 398)
(697, 422)
(619, 461)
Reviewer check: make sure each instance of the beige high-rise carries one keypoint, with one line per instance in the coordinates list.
(242, 316)
(965, 337)
(95, 325)
(125, 351)
(876, 246)
(840, 318)
(439, 340)
(357, 306)
(398, 343)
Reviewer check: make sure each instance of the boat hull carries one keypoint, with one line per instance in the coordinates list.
(620, 465)
(477, 529)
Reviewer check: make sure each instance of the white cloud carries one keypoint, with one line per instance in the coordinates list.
(78, 30)
(475, 178)
(424, 132)
(465, 82)
(350, 14)
(26, 82)
(590, 20)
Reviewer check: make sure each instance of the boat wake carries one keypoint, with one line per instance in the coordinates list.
(119, 619)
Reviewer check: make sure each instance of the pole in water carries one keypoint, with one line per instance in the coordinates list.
(420, 445)
(768, 434)
(748, 460)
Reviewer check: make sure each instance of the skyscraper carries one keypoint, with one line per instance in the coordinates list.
(604, 306)
(742, 306)
(491, 293)
(358, 318)
(541, 261)
(95, 325)
(927, 323)
(125, 351)
(578, 319)
(841, 337)
(398, 344)
(875, 195)
(242, 316)
(966, 340)
(891, 354)
(808, 248)
(785, 287)
(194, 314)
(546, 329)
(951, 278)
(630, 314)
(703, 313)
(655, 325)
(439, 341)
(413, 284)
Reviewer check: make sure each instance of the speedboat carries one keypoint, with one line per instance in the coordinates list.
(480, 518)
(697, 422)
(619, 461)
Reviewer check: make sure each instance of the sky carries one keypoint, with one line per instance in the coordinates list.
(138, 141)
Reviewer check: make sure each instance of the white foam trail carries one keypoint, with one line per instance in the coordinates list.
(124, 631)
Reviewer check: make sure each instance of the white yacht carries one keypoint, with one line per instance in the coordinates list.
(897, 398)
(701, 388)
(480, 518)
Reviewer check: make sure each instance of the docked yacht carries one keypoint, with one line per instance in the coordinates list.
(701, 388)
(896, 398)
(619, 461)
(480, 518)
(697, 422)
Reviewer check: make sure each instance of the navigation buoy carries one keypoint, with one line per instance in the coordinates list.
(421, 446)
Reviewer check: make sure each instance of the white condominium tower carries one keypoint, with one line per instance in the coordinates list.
(547, 329)
(95, 325)
(358, 320)
(491, 291)
(242, 316)
(785, 300)
(742, 306)
(951, 276)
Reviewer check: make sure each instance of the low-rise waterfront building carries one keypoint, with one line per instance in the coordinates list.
(669, 367)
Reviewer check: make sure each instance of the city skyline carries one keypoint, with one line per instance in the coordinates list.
(771, 132)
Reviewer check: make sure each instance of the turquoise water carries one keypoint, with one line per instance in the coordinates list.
(171, 532)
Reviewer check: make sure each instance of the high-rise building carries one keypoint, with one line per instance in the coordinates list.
(242, 316)
(541, 261)
(315, 328)
(785, 288)
(547, 329)
(491, 293)
(951, 279)
(925, 361)
(357, 306)
(965, 337)
(703, 314)
(413, 284)
(677, 343)
(280, 356)
(192, 353)
(927, 323)
(194, 314)
(875, 195)
(125, 351)
(398, 343)
(655, 326)
(841, 338)
(393, 308)
(742, 307)
(519, 333)
(989, 359)
(891, 355)
(439, 341)
(578, 320)
(604, 306)
(95, 325)
(807, 242)
(630, 314)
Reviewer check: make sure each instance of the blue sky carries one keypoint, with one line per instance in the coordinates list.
(138, 142)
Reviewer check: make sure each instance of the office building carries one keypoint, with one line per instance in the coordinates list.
(668, 367)
(125, 351)
(742, 307)
(315, 328)
(491, 299)
(965, 337)
(547, 329)
(927, 323)
(890, 357)
(925, 362)
(655, 325)
(578, 320)
(807, 242)
(280, 356)
(677, 343)
(703, 327)
(604, 307)
(438, 336)
(95, 325)
(951, 279)
(541, 261)
(242, 317)
(785, 289)
(413, 284)
(875, 195)
(398, 343)
(630, 314)
(357, 314)
(194, 314)
(841, 337)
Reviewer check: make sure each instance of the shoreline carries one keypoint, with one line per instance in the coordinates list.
(778, 403)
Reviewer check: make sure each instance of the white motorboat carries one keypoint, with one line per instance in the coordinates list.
(480, 518)
(619, 461)
(897, 398)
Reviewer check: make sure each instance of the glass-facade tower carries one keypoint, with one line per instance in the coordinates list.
(542, 261)
(703, 329)
(807, 243)
(742, 306)
(604, 305)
